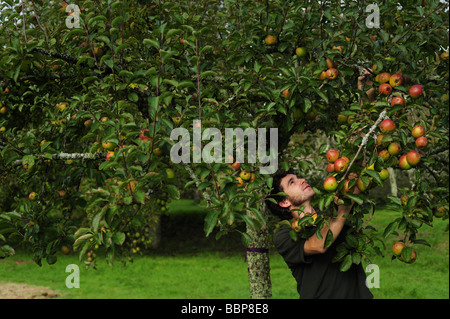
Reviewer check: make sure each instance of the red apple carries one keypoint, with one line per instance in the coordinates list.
(385, 89)
(387, 126)
(397, 248)
(330, 184)
(422, 142)
(332, 155)
(245, 175)
(416, 91)
(413, 157)
(384, 154)
(330, 168)
(403, 162)
(236, 165)
(361, 185)
(340, 165)
(109, 155)
(398, 100)
(418, 131)
(32, 196)
(396, 80)
(384, 77)
(332, 73)
(286, 93)
(394, 148)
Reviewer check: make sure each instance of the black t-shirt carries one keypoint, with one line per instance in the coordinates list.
(317, 276)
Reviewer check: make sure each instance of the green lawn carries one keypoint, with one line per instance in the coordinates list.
(205, 273)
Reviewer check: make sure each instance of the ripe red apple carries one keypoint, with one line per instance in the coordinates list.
(418, 131)
(403, 162)
(108, 145)
(361, 185)
(385, 89)
(346, 159)
(340, 165)
(332, 73)
(413, 157)
(416, 91)
(332, 155)
(245, 175)
(384, 154)
(398, 100)
(143, 137)
(330, 168)
(397, 248)
(109, 155)
(236, 165)
(387, 126)
(394, 148)
(330, 63)
(422, 142)
(384, 77)
(330, 184)
(396, 80)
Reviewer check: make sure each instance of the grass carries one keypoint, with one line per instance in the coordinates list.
(189, 266)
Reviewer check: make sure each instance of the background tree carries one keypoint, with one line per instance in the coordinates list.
(86, 115)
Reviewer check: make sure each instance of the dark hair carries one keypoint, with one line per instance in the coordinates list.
(281, 212)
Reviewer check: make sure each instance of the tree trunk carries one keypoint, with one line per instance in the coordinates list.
(392, 181)
(257, 256)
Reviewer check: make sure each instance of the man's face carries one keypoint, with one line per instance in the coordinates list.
(298, 190)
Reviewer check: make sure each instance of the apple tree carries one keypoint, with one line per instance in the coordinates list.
(92, 90)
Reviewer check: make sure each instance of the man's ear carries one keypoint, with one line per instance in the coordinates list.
(285, 203)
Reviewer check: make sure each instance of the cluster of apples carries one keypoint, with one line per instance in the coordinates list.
(331, 73)
(388, 82)
(408, 160)
(336, 164)
(398, 248)
(244, 175)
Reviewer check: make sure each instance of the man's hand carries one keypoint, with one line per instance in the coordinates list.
(351, 176)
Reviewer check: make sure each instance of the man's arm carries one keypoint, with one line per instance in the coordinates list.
(314, 245)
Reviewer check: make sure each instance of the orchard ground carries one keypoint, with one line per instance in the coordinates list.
(189, 265)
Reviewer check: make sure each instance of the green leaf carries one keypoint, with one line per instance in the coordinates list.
(328, 239)
(118, 238)
(173, 191)
(152, 43)
(139, 196)
(355, 198)
(211, 221)
(346, 263)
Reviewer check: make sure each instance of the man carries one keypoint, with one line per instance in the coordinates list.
(310, 263)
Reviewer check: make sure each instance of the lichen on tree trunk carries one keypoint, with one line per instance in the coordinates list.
(259, 265)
